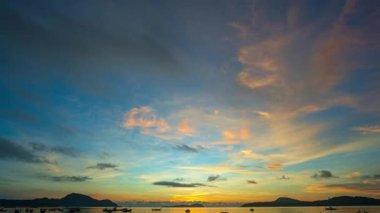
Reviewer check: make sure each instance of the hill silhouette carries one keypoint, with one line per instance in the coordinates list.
(70, 200)
(335, 201)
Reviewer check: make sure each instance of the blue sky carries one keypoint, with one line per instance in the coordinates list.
(189, 100)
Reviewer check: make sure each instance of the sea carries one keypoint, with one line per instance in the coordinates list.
(340, 209)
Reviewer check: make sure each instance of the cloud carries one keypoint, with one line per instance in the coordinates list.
(185, 128)
(219, 169)
(251, 182)
(274, 166)
(102, 166)
(179, 179)
(263, 114)
(186, 148)
(149, 123)
(323, 174)
(69, 151)
(70, 178)
(261, 63)
(146, 119)
(212, 178)
(179, 185)
(284, 177)
(367, 129)
(354, 188)
(236, 136)
(13, 151)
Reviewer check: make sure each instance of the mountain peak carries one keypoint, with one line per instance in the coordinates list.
(286, 200)
(76, 196)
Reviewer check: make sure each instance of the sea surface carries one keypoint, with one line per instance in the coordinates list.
(370, 209)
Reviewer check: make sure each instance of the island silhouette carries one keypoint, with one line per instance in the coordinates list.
(80, 200)
(70, 200)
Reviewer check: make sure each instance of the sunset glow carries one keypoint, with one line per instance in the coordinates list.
(215, 101)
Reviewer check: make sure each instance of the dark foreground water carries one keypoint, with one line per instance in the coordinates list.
(370, 209)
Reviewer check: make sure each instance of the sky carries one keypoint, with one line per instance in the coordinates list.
(190, 100)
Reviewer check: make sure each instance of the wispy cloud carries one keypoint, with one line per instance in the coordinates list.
(70, 178)
(218, 169)
(13, 151)
(212, 178)
(187, 148)
(261, 63)
(102, 166)
(179, 185)
(69, 151)
(367, 129)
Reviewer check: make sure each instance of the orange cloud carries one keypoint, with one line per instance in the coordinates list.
(145, 119)
(261, 63)
(239, 135)
(185, 129)
(274, 166)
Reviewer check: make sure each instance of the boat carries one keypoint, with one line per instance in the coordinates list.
(187, 211)
(252, 210)
(126, 210)
(330, 208)
(156, 209)
(72, 210)
(43, 210)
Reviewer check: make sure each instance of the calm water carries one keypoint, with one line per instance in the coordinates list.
(229, 210)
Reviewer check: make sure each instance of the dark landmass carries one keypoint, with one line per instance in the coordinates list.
(335, 201)
(70, 200)
(195, 205)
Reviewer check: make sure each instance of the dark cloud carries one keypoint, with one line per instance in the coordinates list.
(70, 178)
(13, 151)
(186, 148)
(103, 166)
(370, 177)
(251, 182)
(69, 151)
(323, 174)
(284, 177)
(215, 178)
(368, 187)
(85, 43)
(175, 184)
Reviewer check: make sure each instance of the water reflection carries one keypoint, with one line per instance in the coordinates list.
(214, 210)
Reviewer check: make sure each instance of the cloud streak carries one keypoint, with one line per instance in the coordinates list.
(187, 148)
(178, 185)
(103, 166)
(69, 151)
(213, 178)
(367, 129)
(13, 151)
(70, 178)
